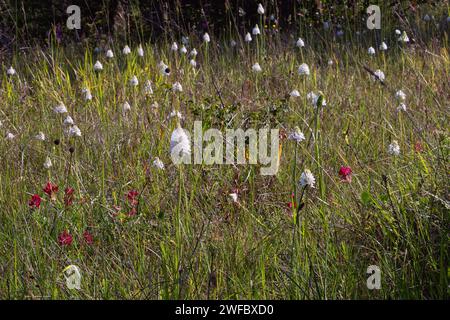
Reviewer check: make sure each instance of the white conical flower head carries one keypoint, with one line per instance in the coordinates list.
(68, 121)
(177, 87)
(74, 131)
(394, 148)
(183, 50)
(48, 163)
(260, 9)
(109, 54)
(248, 37)
(256, 67)
(294, 93)
(398, 32)
(314, 99)
(10, 136)
(87, 94)
(180, 146)
(61, 108)
(234, 197)
(126, 107)
(307, 179)
(98, 66)
(300, 43)
(11, 71)
(297, 135)
(158, 163)
(371, 51)
(140, 51)
(400, 95)
(379, 75)
(383, 46)
(126, 50)
(174, 47)
(330, 62)
(256, 30)
(40, 136)
(193, 63)
(164, 69)
(303, 69)
(193, 53)
(206, 37)
(134, 81)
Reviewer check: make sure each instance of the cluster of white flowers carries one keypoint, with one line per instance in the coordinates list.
(98, 66)
(126, 107)
(109, 54)
(11, 71)
(314, 99)
(158, 163)
(383, 46)
(256, 68)
(300, 43)
(371, 51)
(60, 108)
(256, 30)
(180, 143)
(87, 94)
(307, 179)
(394, 148)
(163, 68)
(296, 135)
(126, 50)
(303, 70)
(294, 93)
(401, 97)
(177, 87)
(379, 75)
(134, 81)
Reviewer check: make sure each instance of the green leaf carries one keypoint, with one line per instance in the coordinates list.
(366, 198)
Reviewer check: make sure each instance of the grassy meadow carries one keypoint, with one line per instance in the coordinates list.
(136, 230)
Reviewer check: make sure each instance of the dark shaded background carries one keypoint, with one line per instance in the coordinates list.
(25, 21)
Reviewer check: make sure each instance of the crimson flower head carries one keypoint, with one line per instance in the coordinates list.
(88, 237)
(64, 238)
(132, 197)
(68, 196)
(346, 174)
(51, 190)
(35, 201)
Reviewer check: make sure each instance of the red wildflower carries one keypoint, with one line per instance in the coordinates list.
(88, 237)
(68, 196)
(51, 190)
(132, 212)
(346, 174)
(64, 238)
(35, 201)
(132, 197)
(418, 147)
